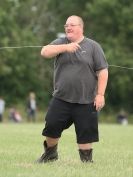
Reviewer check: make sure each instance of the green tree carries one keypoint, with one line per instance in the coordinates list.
(23, 70)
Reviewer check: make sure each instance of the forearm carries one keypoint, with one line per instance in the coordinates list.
(102, 81)
(50, 51)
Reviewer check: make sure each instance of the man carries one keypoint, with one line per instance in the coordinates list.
(80, 79)
(31, 107)
(2, 108)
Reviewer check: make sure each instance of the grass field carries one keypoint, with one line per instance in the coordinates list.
(21, 145)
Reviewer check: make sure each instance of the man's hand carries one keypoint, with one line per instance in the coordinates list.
(99, 102)
(72, 47)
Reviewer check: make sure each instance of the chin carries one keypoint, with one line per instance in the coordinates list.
(69, 38)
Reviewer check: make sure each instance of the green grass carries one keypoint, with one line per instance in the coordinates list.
(21, 145)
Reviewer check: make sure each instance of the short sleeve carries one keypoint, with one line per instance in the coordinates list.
(100, 61)
(58, 41)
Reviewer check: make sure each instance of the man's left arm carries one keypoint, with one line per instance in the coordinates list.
(99, 101)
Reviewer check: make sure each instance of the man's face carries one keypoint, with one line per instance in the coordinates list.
(73, 28)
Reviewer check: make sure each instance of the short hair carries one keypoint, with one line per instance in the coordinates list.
(80, 19)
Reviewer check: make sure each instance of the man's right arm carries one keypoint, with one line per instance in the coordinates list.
(50, 51)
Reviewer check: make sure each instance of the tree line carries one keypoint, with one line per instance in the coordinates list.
(36, 23)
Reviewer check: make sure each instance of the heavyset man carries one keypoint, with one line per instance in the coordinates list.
(80, 79)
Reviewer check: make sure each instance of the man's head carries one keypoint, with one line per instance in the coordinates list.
(74, 28)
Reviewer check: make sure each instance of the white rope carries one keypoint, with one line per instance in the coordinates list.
(38, 46)
(18, 47)
(122, 67)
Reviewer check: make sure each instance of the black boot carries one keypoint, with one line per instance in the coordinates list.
(85, 155)
(50, 154)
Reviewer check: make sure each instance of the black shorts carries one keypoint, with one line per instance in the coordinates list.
(61, 115)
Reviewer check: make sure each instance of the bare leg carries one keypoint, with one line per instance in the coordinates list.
(85, 146)
(51, 141)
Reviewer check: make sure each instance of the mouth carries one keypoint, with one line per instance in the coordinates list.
(69, 32)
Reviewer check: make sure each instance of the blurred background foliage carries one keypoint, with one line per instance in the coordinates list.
(33, 22)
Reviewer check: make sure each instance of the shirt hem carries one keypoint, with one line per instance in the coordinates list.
(71, 101)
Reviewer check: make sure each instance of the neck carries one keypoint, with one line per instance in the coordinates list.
(78, 40)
